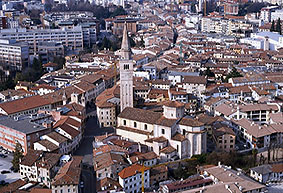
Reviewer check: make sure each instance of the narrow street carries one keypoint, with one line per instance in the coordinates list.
(85, 149)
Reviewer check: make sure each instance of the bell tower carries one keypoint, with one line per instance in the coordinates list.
(126, 72)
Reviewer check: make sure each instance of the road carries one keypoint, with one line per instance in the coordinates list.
(5, 164)
(85, 149)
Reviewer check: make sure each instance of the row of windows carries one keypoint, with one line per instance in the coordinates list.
(135, 124)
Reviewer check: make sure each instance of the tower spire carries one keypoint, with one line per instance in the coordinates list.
(125, 47)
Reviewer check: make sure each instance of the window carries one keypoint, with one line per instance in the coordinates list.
(126, 67)
(135, 124)
(231, 146)
(145, 127)
(125, 122)
(163, 131)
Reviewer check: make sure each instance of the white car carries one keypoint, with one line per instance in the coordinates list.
(82, 184)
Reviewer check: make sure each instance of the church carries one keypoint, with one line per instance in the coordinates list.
(170, 134)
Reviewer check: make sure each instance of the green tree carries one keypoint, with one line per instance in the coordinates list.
(234, 73)
(209, 73)
(272, 28)
(254, 152)
(18, 154)
(278, 26)
(118, 11)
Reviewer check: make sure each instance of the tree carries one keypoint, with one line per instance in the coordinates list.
(278, 26)
(234, 73)
(18, 154)
(209, 73)
(254, 152)
(272, 28)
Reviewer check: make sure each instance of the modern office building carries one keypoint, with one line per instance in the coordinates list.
(13, 55)
(72, 39)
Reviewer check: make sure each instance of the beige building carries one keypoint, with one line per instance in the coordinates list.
(224, 138)
(165, 131)
(126, 73)
(68, 178)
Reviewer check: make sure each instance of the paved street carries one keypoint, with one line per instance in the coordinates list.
(92, 129)
(5, 164)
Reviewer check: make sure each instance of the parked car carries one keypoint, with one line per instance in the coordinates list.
(3, 155)
(82, 184)
(5, 172)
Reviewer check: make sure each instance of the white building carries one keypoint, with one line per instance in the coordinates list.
(126, 73)
(277, 14)
(72, 39)
(168, 133)
(275, 40)
(106, 3)
(130, 178)
(14, 54)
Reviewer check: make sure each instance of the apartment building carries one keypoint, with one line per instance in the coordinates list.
(38, 166)
(14, 54)
(130, 178)
(267, 173)
(72, 39)
(20, 130)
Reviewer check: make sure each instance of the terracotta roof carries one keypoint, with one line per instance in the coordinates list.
(31, 157)
(194, 79)
(70, 173)
(179, 137)
(277, 117)
(68, 129)
(12, 187)
(277, 168)
(140, 115)
(166, 122)
(174, 104)
(49, 160)
(105, 160)
(23, 104)
(57, 137)
(239, 89)
(123, 143)
(48, 145)
(108, 184)
(131, 171)
(191, 122)
(144, 157)
(160, 139)
(168, 149)
(108, 149)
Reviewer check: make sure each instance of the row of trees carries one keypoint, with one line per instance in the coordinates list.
(233, 159)
(276, 28)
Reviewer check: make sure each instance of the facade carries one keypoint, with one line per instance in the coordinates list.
(41, 167)
(224, 138)
(126, 73)
(130, 178)
(267, 173)
(162, 132)
(72, 39)
(14, 54)
(68, 178)
(24, 106)
(22, 130)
